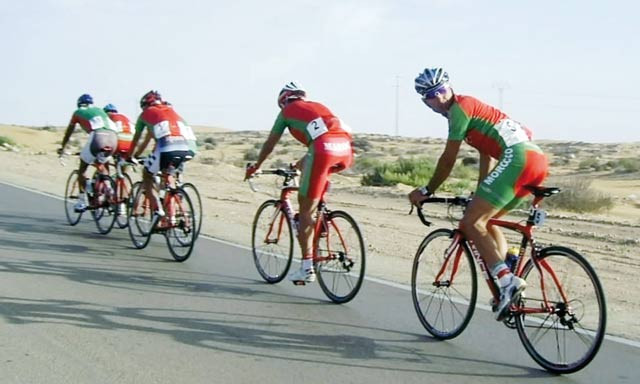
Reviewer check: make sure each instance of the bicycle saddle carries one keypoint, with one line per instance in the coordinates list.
(542, 191)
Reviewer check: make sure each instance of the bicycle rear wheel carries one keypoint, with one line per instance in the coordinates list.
(567, 338)
(272, 242)
(124, 194)
(194, 195)
(141, 218)
(444, 304)
(71, 194)
(104, 211)
(342, 258)
(181, 236)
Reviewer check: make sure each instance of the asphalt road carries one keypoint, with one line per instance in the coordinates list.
(79, 307)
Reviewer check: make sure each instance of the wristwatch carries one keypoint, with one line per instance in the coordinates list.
(424, 191)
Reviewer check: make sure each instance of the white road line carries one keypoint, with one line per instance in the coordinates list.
(617, 339)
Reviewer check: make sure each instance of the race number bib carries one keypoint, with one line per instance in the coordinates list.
(96, 123)
(511, 132)
(186, 131)
(317, 128)
(161, 129)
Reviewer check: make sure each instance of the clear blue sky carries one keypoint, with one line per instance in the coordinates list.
(569, 68)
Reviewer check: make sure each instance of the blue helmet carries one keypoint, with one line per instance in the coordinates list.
(85, 99)
(430, 80)
(110, 108)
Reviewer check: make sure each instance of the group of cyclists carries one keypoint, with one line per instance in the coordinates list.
(509, 160)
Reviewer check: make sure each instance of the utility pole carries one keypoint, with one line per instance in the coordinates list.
(397, 86)
(500, 86)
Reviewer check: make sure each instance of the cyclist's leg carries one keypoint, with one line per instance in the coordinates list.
(151, 167)
(87, 157)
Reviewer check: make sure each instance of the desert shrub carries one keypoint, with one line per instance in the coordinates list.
(578, 196)
(207, 160)
(257, 145)
(210, 140)
(251, 154)
(589, 164)
(464, 172)
(627, 165)
(467, 161)
(362, 144)
(413, 171)
(6, 140)
(209, 146)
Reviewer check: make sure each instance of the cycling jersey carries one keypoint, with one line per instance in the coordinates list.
(91, 118)
(484, 127)
(493, 133)
(124, 130)
(308, 120)
(169, 130)
(328, 140)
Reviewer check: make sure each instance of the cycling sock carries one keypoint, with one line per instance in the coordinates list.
(307, 263)
(502, 273)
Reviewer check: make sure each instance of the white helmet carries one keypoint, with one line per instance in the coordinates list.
(291, 91)
(430, 80)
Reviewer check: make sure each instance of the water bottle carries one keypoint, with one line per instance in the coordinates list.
(512, 258)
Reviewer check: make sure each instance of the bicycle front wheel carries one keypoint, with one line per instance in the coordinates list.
(71, 194)
(141, 218)
(444, 285)
(196, 201)
(181, 235)
(104, 212)
(124, 194)
(272, 242)
(341, 257)
(567, 336)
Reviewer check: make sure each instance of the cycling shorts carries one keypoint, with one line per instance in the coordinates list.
(100, 140)
(520, 165)
(160, 161)
(327, 154)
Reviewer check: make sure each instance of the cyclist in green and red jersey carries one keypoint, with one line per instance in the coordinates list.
(329, 150)
(172, 138)
(101, 145)
(124, 128)
(519, 163)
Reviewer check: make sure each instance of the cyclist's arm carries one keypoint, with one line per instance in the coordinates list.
(70, 128)
(267, 147)
(144, 144)
(445, 164)
(486, 163)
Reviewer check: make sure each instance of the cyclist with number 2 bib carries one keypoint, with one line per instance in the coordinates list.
(500, 189)
(172, 136)
(102, 142)
(329, 150)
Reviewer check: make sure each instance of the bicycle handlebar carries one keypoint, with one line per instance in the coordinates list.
(461, 201)
(288, 174)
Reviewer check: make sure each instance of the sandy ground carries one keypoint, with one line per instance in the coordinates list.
(609, 241)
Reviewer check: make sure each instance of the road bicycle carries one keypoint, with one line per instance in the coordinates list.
(101, 201)
(338, 247)
(178, 225)
(561, 316)
(123, 191)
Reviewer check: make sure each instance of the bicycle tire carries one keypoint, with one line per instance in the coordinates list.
(71, 193)
(272, 258)
(436, 302)
(181, 238)
(121, 216)
(580, 323)
(194, 195)
(104, 213)
(342, 274)
(141, 218)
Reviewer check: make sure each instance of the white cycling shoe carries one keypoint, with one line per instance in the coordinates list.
(508, 295)
(81, 204)
(302, 276)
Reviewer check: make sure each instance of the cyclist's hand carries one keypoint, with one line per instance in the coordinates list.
(416, 197)
(250, 170)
